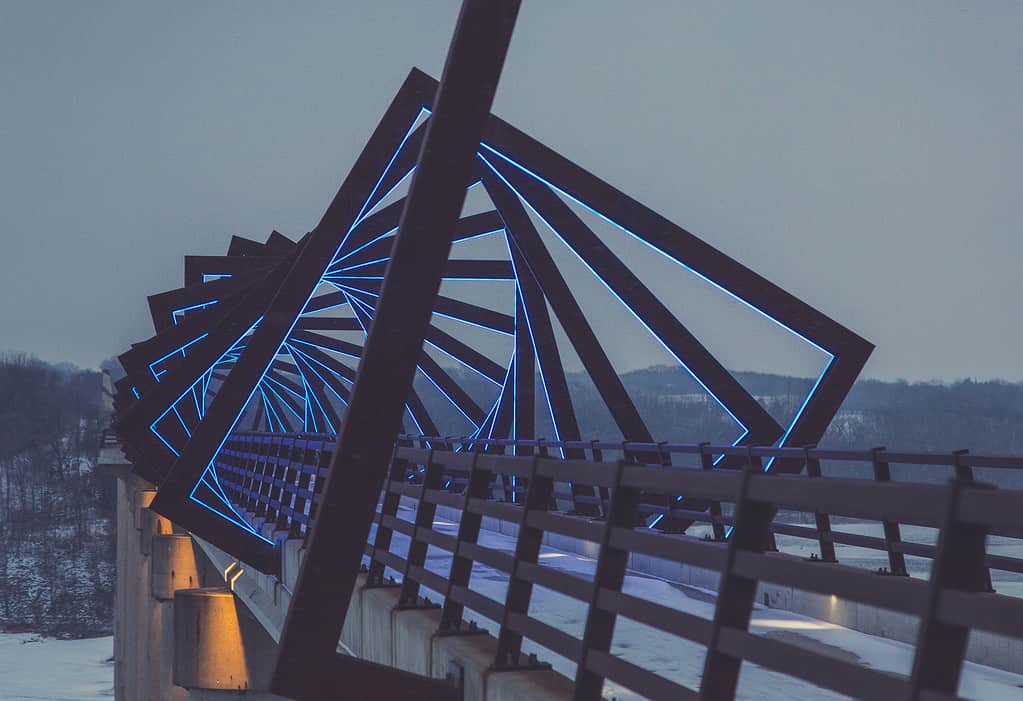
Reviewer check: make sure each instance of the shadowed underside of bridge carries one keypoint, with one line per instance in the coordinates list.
(414, 348)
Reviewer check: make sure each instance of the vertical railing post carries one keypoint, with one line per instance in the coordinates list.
(822, 520)
(527, 549)
(476, 487)
(323, 458)
(892, 536)
(389, 507)
(714, 509)
(610, 575)
(302, 486)
(605, 495)
(736, 593)
(964, 473)
(425, 511)
(958, 565)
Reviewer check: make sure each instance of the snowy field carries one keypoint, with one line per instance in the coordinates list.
(45, 669)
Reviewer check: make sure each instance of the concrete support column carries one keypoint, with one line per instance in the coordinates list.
(219, 646)
(172, 566)
(138, 639)
(154, 664)
(124, 542)
(133, 495)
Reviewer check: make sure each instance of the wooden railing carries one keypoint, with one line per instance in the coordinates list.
(278, 477)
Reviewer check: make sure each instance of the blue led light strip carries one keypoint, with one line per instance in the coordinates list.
(703, 277)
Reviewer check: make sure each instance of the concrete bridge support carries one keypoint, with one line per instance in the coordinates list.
(219, 646)
(182, 633)
(156, 567)
(173, 567)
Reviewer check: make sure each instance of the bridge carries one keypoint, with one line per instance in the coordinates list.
(334, 480)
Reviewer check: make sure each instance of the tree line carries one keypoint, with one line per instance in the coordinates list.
(56, 534)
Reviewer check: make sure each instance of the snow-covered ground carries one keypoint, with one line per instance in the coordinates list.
(37, 669)
(682, 661)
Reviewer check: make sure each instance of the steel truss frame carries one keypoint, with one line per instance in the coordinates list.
(221, 340)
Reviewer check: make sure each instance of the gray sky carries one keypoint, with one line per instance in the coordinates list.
(865, 156)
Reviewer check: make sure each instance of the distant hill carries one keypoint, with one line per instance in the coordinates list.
(56, 538)
(926, 416)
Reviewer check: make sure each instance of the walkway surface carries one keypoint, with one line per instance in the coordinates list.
(681, 660)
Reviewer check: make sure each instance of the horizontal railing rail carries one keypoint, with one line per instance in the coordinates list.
(277, 479)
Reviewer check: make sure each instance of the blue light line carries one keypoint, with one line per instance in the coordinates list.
(283, 401)
(164, 441)
(799, 413)
(285, 387)
(425, 374)
(365, 332)
(359, 217)
(309, 360)
(447, 396)
(211, 472)
(351, 253)
(324, 348)
(195, 400)
(447, 278)
(180, 349)
(217, 362)
(473, 323)
(476, 236)
(466, 364)
(236, 518)
(617, 296)
(376, 205)
(310, 392)
(649, 245)
(181, 310)
(700, 275)
(182, 422)
(536, 354)
(362, 265)
(269, 411)
(280, 422)
(324, 309)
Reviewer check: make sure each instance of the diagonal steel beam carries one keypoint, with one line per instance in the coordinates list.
(308, 666)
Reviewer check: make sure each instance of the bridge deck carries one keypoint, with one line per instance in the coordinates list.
(681, 660)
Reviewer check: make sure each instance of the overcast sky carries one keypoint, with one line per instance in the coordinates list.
(865, 156)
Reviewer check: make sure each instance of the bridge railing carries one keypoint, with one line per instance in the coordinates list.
(278, 477)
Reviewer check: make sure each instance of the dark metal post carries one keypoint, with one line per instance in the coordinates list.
(477, 487)
(714, 507)
(307, 664)
(892, 535)
(736, 593)
(958, 565)
(822, 520)
(527, 550)
(610, 576)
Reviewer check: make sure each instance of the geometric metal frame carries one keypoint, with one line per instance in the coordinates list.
(271, 283)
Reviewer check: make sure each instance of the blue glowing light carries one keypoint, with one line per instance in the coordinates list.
(182, 310)
(700, 275)
(180, 349)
